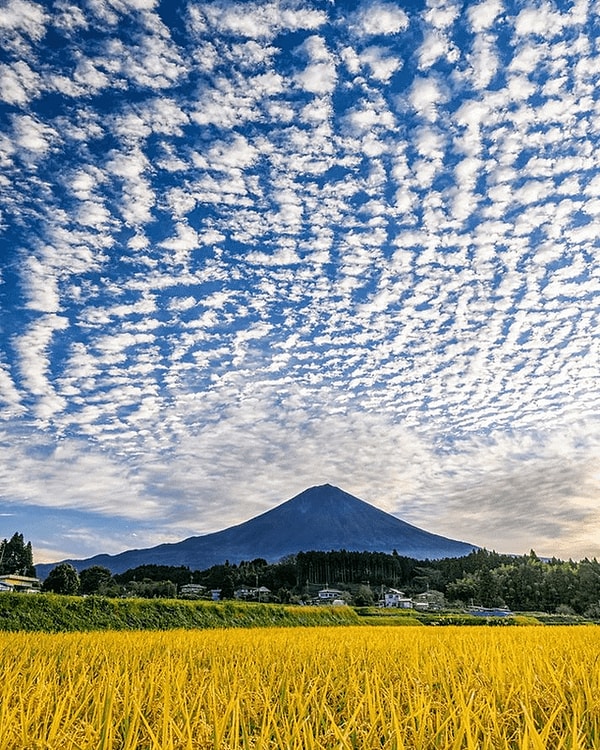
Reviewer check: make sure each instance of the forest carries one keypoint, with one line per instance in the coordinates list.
(486, 578)
(524, 583)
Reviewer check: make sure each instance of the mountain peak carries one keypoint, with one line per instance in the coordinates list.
(320, 488)
(323, 490)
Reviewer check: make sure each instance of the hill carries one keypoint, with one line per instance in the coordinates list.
(320, 518)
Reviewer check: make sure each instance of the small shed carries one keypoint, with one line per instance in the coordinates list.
(262, 593)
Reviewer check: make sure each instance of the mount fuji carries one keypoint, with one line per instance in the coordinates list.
(320, 518)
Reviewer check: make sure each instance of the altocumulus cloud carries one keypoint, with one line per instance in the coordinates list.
(251, 247)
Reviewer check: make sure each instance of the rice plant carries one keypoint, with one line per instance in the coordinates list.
(302, 689)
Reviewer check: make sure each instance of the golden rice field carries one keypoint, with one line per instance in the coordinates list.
(346, 687)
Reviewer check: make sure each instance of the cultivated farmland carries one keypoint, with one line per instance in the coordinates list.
(302, 688)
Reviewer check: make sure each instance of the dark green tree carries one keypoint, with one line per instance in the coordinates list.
(363, 596)
(463, 590)
(148, 589)
(227, 589)
(588, 585)
(560, 585)
(178, 574)
(63, 579)
(16, 557)
(95, 580)
(522, 583)
(488, 589)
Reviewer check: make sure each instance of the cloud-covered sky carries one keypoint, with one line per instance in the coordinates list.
(249, 247)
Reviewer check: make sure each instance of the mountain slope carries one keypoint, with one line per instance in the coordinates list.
(320, 518)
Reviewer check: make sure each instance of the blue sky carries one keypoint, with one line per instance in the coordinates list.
(246, 248)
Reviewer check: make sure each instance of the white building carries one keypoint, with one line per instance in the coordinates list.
(395, 598)
(260, 593)
(192, 590)
(329, 595)
(22, 584)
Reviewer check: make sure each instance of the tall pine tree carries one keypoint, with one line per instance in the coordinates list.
(16, 557)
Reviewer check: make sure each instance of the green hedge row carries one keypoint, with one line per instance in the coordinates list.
(56, 613)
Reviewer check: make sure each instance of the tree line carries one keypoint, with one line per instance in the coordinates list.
(488, 579)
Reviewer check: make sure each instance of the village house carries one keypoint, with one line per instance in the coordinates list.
(421, 605)
(192, 590)
(21, 584)
(261, 593)
(244, 593)
(330, 596)
(395, 598)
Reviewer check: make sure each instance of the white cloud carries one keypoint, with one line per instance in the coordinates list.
(88, 74)
(379, 18)
(27, 17)
(34, 363)
(186, 239)
(369, 117)
(236, 100)
(154, 62)
(256, 20)
(18, 83)
(9, 394)
(250, 55)
(484, 61)
(441, 13)
(138, 198)
(125, 6)
(66, 476)
(93, 214)
(41, 283)
(319, 78)
(68, 16)
(315, 48)
(483, 15)
(32, 135)
(381, 63)
(425, 96)
(541, 20)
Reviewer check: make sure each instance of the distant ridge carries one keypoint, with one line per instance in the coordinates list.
(320, 518)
